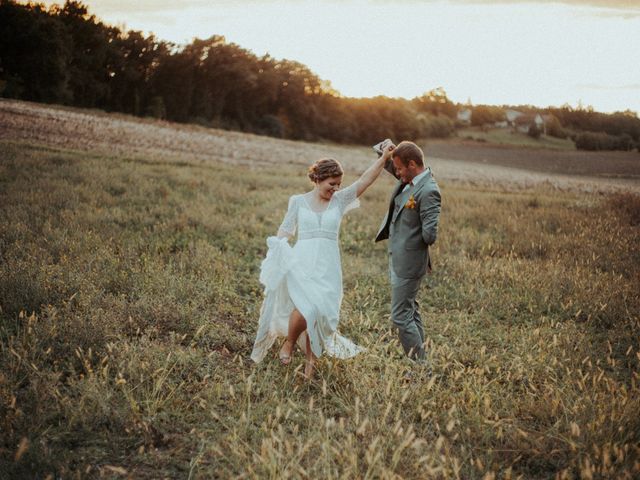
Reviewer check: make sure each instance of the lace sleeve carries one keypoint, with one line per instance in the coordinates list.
(348, 198)
(290, 222)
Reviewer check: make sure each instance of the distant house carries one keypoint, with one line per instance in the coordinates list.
(511, 116)
(464, 116)
(548, 120)
(524, 122)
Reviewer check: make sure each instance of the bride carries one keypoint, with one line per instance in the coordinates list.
(303, 283)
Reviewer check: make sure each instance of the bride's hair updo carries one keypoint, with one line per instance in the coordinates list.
(323, 169)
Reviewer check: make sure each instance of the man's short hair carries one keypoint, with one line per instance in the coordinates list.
(407, 151)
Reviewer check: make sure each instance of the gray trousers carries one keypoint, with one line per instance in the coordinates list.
(405, 315)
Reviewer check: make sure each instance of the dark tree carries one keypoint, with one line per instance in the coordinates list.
(435, 102)
(34, 54)
(67, 55)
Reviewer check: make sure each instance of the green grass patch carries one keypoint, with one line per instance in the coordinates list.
(506, 136)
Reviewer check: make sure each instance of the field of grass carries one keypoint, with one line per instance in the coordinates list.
(129, 301)
(505, 136)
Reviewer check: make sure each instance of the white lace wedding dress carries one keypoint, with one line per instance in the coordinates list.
(307, 276)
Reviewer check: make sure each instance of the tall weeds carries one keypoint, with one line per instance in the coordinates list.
(129, 294)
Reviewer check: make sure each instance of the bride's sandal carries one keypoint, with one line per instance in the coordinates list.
(286, 356)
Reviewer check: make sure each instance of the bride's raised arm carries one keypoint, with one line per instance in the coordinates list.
(370, 174)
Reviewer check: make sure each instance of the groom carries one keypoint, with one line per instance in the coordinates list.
(411, 225)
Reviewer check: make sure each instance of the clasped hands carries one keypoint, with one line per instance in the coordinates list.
(387, 147)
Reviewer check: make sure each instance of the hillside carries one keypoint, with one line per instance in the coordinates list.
(129, 298)
(500, 166)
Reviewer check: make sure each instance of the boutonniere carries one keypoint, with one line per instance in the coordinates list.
(411, 203)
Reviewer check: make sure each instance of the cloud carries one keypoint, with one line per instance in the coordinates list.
(610, 4)
(624, 8)
(626, 15)
(159, 6)
(154, 6)
(628, 5)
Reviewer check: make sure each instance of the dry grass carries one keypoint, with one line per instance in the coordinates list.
(496, 167)
(130, 299)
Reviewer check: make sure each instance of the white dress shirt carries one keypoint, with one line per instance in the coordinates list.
(416, 179)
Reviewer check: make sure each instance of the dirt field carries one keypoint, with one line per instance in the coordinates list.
(565, 162)
(457, 161)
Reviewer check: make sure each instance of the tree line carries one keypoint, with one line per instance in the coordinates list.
(599, 131)
(589, 130)
(65, 55)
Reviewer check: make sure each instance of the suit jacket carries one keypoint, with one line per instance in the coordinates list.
(411, 225)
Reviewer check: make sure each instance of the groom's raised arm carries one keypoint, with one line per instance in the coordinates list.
(371, 173)
(385, 149)
(388, 166)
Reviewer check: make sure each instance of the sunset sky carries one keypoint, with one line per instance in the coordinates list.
(538, 52)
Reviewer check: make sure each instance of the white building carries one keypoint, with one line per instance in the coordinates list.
(464, 116)
(511, 116)
(525, 121)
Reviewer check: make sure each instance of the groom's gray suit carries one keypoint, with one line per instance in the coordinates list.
(411, 225)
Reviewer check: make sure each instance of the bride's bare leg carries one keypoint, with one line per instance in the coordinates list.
(297, 325)
(310, 361)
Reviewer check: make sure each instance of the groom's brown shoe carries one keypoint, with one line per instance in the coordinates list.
(419, 370)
